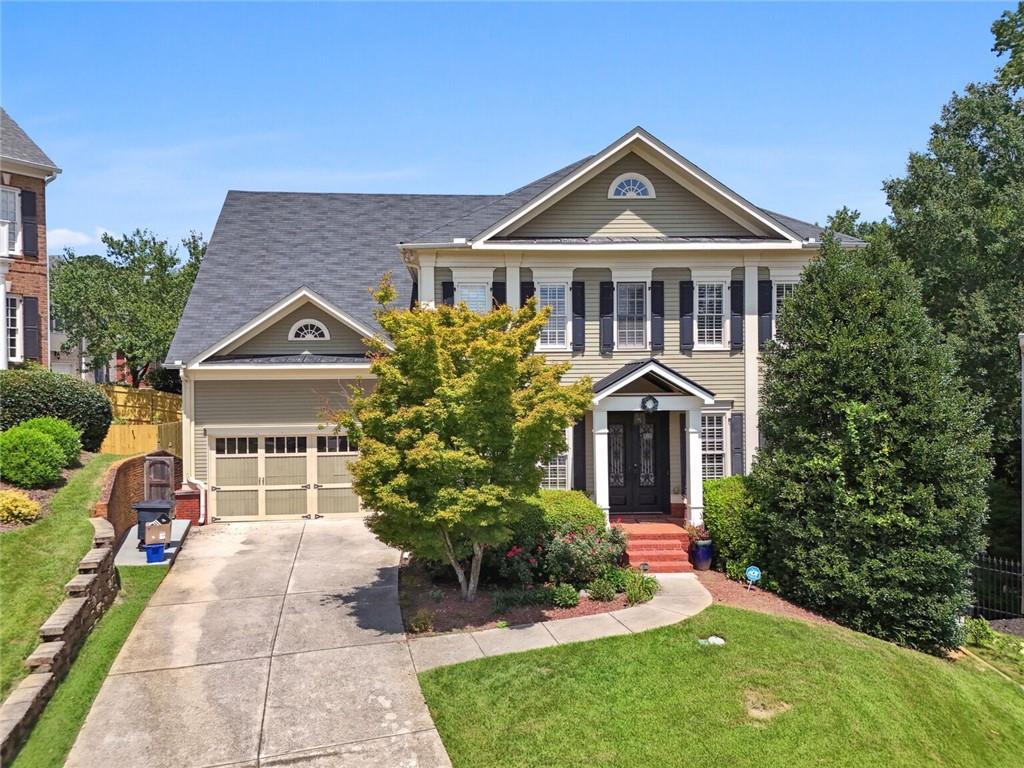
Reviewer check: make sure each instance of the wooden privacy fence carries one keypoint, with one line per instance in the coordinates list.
(143, 406)
(127, 439)
(998, 587)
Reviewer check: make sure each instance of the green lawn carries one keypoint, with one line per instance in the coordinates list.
(56, 730)
(780, 693)
(37, 561)
(1005, 653)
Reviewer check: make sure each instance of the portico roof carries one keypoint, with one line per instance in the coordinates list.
(653, 370)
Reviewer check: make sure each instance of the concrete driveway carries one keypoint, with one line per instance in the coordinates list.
(268, 644)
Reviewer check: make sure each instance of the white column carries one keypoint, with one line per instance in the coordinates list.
(750, 364)
(3, 321)
(601, 462)
(694, 467)
(512, 285)
(426, 284)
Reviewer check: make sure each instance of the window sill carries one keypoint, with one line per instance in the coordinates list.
(711, 347)
(553, 348)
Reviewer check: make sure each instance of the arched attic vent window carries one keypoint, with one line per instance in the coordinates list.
(631, 185)
(309, 330)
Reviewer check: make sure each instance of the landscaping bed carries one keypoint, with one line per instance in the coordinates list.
(725, 591)
(793, 693)
(420, 594)
(43, 495)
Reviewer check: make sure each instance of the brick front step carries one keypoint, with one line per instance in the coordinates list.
(660, 543)
(663, 565)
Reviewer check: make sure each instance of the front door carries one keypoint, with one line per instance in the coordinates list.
(638, 462)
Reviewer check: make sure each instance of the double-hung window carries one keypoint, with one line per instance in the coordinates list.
(555, 473)
(782, 292)
(554, 335)
(476, 296)
(9, 216)
(631, 315)
(710, 315)
(12, 329)
(712, 435)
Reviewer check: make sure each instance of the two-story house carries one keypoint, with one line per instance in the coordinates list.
(663, 285)
(25, 171)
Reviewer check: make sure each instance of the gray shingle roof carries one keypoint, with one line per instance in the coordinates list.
(267, 245)
(16, 145)
(284, 359)
(615, 377)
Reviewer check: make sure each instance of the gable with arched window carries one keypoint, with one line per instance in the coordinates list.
(631, 186)
(309, 329)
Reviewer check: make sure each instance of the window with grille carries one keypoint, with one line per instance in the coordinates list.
(712, 435)
(9, 215)
(236, 446)
(631, 185)
(309, 330)
(631, 311)
(12, 331)
(553, 295)
(284, 445)
(555, 473)
(710, 313)
(476, 296)
(332, 444)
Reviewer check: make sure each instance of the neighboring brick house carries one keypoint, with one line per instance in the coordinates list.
(25, 170)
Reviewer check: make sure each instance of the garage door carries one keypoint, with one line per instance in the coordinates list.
(280, 477)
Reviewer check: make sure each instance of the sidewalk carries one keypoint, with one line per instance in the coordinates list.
(681, 596)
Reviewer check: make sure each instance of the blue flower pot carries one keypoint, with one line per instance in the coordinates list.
(700, 555)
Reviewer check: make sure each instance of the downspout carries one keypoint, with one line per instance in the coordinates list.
(202, 498)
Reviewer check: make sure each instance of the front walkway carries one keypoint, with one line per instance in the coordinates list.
(681, 596)
(268, 644)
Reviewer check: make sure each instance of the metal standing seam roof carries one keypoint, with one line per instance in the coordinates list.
(15, 144)
(267, 245)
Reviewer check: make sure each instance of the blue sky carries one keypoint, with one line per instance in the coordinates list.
(155, 111)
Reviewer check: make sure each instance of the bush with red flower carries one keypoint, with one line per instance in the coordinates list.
(579, 556)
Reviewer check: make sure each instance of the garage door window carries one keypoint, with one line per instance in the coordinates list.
(236, 446)
(285, 445)
(332, 444)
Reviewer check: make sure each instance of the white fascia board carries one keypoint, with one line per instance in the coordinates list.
(25, 168)
(669, 156)
(257, 372)
(266, 318)
(755, 245)
(269, 430)
(652, 367)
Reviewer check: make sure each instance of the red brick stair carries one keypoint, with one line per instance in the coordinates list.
(663, 545)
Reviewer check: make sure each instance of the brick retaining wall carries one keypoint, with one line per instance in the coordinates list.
(89, 594)
(123, 485)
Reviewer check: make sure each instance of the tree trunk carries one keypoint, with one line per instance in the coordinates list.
(459, 570)
(474, 573)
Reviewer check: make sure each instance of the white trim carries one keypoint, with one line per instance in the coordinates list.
(666, 402)
(638, 136)
(668, 245)
(257, 372)
(266, 318)
(309, 321)
(726, 313)
(266, 430)
(751, 353)
(566, 286)
(19, 317)
(705, 397)
(646, 346)
(19, 239)
(640, 177)
(726, 415)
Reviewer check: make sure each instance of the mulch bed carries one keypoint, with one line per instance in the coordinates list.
(453, 614)
(725, 591)
(43, 495)
(1009, 626)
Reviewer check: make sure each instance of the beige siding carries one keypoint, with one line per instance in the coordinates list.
(274, 340)
(257, 403)
(587, 212)
(720, 371)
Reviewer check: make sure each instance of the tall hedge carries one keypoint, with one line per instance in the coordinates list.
(871, 480)
(34, 391)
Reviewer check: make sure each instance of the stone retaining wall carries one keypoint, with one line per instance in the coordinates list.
(89, 594)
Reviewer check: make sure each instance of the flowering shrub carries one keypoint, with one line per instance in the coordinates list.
(523, 565)
(576, 557)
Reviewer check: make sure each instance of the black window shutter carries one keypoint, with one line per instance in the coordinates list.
(30, 328)
(736, 314)
(607, 307)
(526, 291)
(764, 312)
(579, 456)
(579, 314)
(685, 315)
(29, 233)
(448, 293)
(415, 294)
(736, 442)
(657, 316)
(684, 444)
(498, 293)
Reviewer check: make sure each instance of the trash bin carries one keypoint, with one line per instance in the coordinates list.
(155, 553)
(150, 510)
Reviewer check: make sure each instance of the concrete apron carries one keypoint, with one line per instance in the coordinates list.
(681, 596)
(267, 644)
